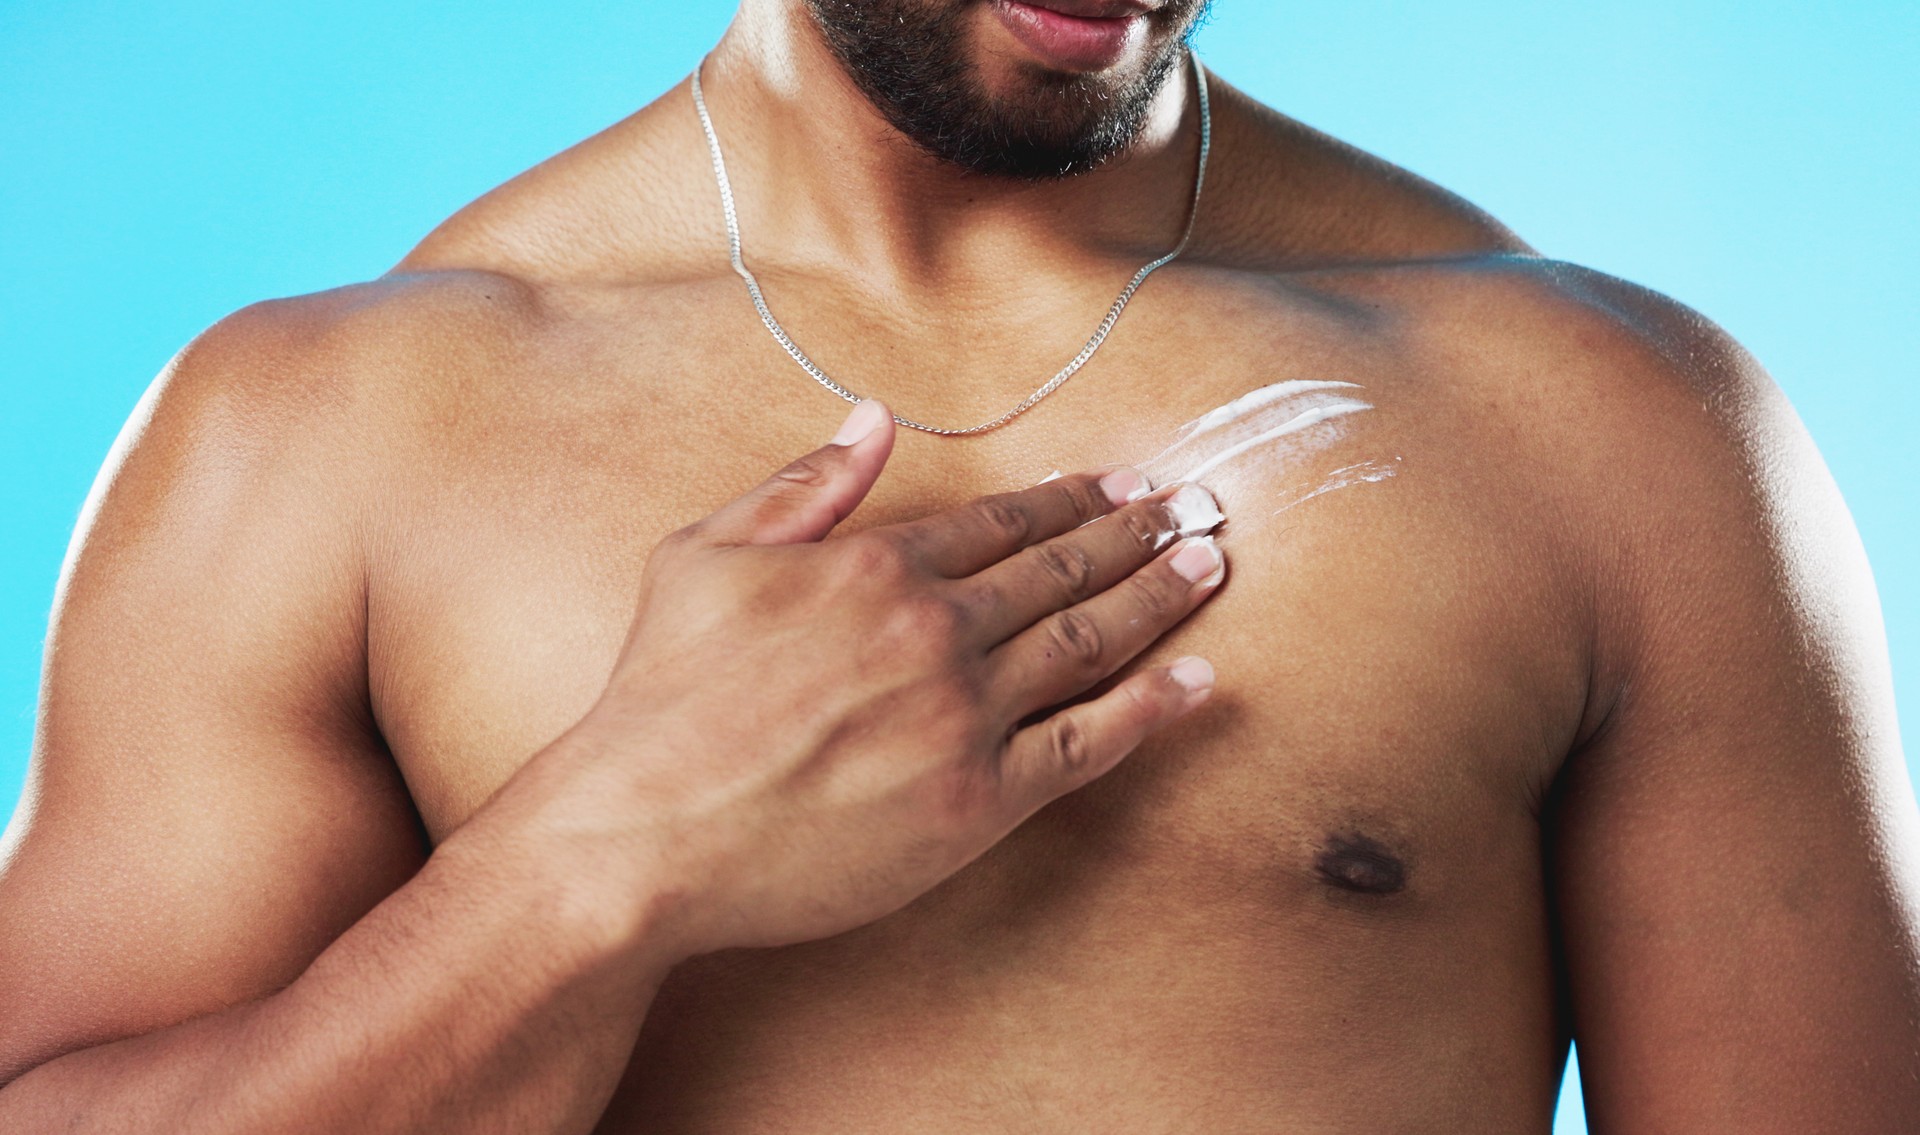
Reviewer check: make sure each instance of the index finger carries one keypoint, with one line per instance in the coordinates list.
(962, 541)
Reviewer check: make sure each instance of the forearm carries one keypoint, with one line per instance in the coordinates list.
(485, 995)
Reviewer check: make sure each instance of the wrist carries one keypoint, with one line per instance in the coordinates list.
(596, 858)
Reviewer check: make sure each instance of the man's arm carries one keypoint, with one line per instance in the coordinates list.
(206, 915)
(208, 803)
(210, 807)
(1735, 850)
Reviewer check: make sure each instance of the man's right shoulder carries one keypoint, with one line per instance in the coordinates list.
(395, 331)
(367, 361)
(311, 406)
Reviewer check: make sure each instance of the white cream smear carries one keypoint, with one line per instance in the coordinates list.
(1359, 473)
(1263, 436)
(1253, 449)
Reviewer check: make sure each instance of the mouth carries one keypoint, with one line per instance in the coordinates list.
(1074, 35)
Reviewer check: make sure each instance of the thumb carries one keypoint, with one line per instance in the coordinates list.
(802, 502)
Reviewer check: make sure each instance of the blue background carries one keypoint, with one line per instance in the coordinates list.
(162, 164)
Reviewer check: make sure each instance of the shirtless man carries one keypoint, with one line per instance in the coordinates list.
(1551, 693)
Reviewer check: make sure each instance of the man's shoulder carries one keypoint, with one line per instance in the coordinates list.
(1612, 418)
(1610, 439)
(308, 396)
(384, 341)
(1528, 309)
(1475, 313)
(1541, 335)
(389, 312)
(1629, 429)
(1623, 386)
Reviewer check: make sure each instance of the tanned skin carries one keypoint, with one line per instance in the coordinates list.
(1581, 724)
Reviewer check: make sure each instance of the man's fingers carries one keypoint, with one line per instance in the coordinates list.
(1065, 653)
(1074, 746)
(802, 502)
(1013, 594)
(965, 540)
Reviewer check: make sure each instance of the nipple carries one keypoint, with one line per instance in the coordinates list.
(1356, 862)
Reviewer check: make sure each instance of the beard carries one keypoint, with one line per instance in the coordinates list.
(910, 59)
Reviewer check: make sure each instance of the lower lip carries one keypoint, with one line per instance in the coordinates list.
(1069, 43)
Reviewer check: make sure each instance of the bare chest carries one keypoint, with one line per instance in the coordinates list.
(1351, 815)
(1368, 586)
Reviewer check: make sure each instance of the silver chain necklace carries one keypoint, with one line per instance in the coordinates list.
(1052, 384)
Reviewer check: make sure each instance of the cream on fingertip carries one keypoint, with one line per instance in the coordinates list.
(1192, 673)
(1194, 511)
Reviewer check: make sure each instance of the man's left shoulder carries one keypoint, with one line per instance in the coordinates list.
(1657, 435)
(1551, 316)
(1624, 423)
(1602, 366)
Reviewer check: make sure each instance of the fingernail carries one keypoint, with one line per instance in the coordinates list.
(1194, 511)
(1193, 673)
(865, 419)
(1123, 485)
(1197, 560)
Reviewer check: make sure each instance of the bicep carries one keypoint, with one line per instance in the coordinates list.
(208, 805)
(1735, 852)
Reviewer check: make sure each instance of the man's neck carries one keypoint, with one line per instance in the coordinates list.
(821, 175)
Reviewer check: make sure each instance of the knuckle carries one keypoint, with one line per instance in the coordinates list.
(1139, 704)
(1069, 745)
(1004, 517)
(978, 596)
(1076, 637)
(926, 622)
(1069, 566)
(872, 558)
(1083, 496)
(810, 469)
(1146, 526)
(1154, 595)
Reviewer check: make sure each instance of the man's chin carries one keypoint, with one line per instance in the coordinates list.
(958, 83)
